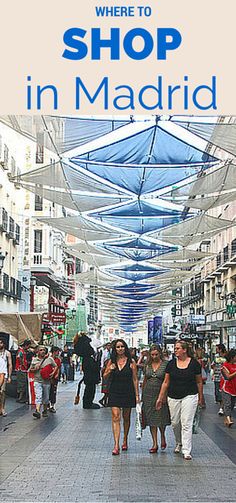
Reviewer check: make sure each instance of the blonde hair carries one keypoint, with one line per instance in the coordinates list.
(154, 347)
(187, 346)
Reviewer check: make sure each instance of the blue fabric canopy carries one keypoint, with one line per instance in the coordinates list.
(143, 296)
(136, 249)
(139, 217)
(136, 272)
(134, 287)
(154, 146)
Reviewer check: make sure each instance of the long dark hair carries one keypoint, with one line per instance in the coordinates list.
(114, 353)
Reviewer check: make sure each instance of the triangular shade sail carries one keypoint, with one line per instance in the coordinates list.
(69, 187)
(69, 131)
(96, 260)
(136, 249)
(154, 145)
(81, 130)
(139, 217)
(136, 272)
(208, 202)
(74, 200)
(134, 287)
(214, 181)
(84, 246)
(95, 277)
(81, 228)
(209, 190)
(185, 254)
(64, 176)
(129, 163)
(193, 230)
(222, 135)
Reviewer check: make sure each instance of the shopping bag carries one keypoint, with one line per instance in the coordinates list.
(138, 425)
(196, 420)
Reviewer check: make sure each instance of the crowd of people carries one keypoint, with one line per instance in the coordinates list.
(168, 389)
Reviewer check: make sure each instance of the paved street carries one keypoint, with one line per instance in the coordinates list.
(67, 457)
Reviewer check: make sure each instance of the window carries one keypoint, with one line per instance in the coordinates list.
(78, 265)
(5, 282)
(12, 286)
(17, 234)
(6, 155)
(18, 289)
(38, 240)
(226, 253)
(11, 227)
(233, 247)
(13, 166)
(38, 203)
(40, 148)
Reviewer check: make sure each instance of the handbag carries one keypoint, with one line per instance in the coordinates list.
(196, 419)
(46, 371)
(138, 425)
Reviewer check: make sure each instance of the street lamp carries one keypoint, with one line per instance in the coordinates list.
(192, 310)
(225, 296)
(219, 287)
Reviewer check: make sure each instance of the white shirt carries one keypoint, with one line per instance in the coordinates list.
(3, 362)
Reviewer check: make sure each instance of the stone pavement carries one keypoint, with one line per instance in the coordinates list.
(67, 457)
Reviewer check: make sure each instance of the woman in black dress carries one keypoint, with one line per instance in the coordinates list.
(123, 391)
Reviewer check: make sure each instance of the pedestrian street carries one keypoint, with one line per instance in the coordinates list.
(67, 457)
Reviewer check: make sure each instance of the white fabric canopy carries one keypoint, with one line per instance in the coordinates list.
(193, 230)
(81, 228)
(185, 254)
(84, 246)
(208, 202)
(221, 179)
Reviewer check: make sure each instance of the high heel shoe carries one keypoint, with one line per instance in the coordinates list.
(153, 450)
(124, 447)
(163, 445)
(115, 452)
(228, 421)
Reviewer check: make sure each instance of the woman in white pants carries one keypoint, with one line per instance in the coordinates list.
(183, 386)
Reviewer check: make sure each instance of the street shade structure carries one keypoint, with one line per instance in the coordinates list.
(138, 190)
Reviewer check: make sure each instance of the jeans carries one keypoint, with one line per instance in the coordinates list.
(182, 412)
(65, 370)
(41, 393)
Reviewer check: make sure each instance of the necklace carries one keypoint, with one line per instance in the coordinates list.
(121, 363)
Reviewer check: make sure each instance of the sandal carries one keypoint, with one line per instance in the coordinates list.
(124, 447)
(153, 450)
(163, 446)
(115, 452)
